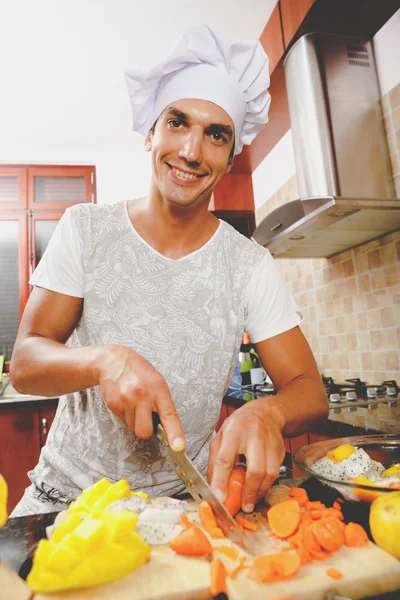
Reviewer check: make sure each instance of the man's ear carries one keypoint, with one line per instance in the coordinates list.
(229, 165)
(147, 142)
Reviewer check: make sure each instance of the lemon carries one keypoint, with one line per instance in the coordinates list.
(392, 471)
(384, 521)
(3, 500)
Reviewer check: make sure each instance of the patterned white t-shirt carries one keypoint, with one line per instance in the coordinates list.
(185, 316)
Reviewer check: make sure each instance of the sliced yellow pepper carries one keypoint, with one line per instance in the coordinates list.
(3, 501)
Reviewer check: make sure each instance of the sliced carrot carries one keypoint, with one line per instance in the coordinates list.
(277, 566)
(305, 518)
(339, 500)
(191, 542)
(285, 564)
(233, 500)
(395, 485)
(297, 491)
(185, 522)
(316, 514)
(315, 505)
(310, 541)
(328, 533)
(246, 523)
(218, 577)
(333, 512)
(284, 518)
(261, 575)
(322, 555)
(334, 573)
(337, 505)
(238, 568)
(355, 535)
(228, 551)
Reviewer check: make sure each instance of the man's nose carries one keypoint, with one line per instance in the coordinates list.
(192, 149)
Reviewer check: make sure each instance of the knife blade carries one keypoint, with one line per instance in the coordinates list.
(199, 489)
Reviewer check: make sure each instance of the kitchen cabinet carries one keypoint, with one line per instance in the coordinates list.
(293, 13)
(32, 201)
(272, 39)
(22, 435)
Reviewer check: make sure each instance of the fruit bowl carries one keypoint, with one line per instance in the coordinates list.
(384, 449)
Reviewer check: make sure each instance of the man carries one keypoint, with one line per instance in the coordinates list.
(140, 306)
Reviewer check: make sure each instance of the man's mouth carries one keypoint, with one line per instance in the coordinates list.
(185, 174)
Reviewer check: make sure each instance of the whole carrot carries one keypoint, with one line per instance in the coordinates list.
(233, 500)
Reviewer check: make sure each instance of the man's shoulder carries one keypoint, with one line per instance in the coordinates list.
(238, 239)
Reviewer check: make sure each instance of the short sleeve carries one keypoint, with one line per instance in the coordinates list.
(60, 268)
(269, 304)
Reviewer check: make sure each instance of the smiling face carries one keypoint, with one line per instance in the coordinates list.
(191, 150)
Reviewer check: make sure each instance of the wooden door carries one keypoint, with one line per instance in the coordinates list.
(47, 412)
(19, 447)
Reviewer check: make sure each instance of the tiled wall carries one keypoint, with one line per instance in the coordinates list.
(351, 302)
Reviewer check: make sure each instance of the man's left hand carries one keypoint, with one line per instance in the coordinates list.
(254, 430)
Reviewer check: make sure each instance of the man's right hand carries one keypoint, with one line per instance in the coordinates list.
(132, 389)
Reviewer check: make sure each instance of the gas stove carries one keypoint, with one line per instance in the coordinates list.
(354, 393)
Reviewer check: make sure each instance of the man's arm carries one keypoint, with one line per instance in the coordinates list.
(257, 428)
(42, 365)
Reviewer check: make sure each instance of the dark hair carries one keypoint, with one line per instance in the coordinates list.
(231, 154)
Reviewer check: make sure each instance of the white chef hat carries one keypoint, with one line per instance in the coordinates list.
(200, 65)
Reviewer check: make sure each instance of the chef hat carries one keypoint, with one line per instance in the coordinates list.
(201, 65)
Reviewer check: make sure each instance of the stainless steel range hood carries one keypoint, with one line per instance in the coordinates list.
(342, 160)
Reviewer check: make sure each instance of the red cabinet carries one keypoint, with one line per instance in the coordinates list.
(22, 435)
(32, 201)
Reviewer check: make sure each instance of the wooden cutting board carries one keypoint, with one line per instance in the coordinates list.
(366, 571)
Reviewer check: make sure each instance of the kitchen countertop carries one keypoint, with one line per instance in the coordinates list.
(11, 396)
(18, 538)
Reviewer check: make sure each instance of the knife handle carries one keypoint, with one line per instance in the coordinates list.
(159, 430)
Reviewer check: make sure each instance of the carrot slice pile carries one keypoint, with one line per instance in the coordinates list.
(191, 542)
(218, 577)
(209, 521)
(274, 567)
(284, 518)
(233, 500)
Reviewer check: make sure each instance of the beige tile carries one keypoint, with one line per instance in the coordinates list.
(392, 361)
(372, 301)
(362, 321)
(379, 362)
(332, 325)
(344, 361)
(394, 96)
(364, 283)
(387, 317)
(378, 279)
(309, 281)
(333, 343)
(348, 305)
(366, 361)
(389, 338)
(361, 263)
(364, 340)
(312, 314)
(348, 268)
(388, 254)
(340, 324)
(354, 365)
(322, 326)
(376, 339)
(352, 343)
(360, 302)
(396, 181)
(398, 250)
(374, 259)
(392, 275)
(327, 274)
(350, 287)
(374, 319)
(384, 298)
(320, 295)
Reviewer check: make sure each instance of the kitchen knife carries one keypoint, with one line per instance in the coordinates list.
(199, 489)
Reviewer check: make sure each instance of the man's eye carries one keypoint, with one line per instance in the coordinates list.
(175, 123)
(218, 137)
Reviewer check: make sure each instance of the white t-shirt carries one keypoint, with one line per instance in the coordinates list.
(186, 316)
